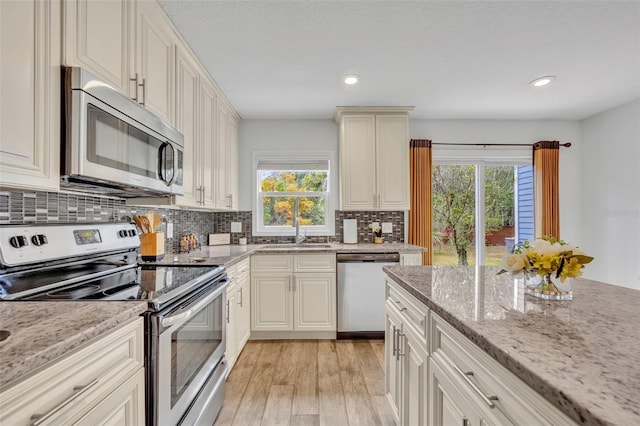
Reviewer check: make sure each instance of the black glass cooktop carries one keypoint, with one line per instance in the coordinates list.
(153, 283)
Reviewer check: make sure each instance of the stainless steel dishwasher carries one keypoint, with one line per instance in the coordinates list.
(361, 294)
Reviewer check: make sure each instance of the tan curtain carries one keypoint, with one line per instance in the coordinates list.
(546, 156)
(420, 209)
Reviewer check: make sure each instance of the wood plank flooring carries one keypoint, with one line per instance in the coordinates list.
(307, 382)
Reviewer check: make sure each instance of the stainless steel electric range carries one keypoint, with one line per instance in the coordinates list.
(184, 323)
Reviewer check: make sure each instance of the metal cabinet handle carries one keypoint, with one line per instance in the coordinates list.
(379, 201)
(227, 312)
(144, 93)
(38, 419)
(240, 303)
(465, 421)
(394, 341)
(135, 98)
(465, 375)
(169, 321)
(230, 203)
(398, 353)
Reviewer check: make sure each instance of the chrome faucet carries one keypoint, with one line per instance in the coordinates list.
(296, 221)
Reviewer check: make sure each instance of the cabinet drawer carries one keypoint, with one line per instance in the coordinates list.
(414, 313)
(232, 273)
(486, 378)
(69, 387)
(314, 263)
(271, 263)
(243, 267)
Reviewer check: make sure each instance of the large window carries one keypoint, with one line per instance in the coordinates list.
(280, 180)
(482, 204)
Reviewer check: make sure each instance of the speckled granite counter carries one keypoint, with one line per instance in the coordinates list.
(44, 331)
(230, 254)
(589, 347)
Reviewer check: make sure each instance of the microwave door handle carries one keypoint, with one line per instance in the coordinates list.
(166, 173)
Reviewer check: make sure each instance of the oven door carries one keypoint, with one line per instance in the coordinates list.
(189, 346)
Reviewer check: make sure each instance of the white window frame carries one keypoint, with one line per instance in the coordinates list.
(259, 228)
(480, 158)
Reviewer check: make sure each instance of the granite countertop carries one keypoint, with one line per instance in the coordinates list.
(44, 331)
(231, 254)
(582, 355)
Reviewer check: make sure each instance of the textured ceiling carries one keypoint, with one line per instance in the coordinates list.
(449, 59)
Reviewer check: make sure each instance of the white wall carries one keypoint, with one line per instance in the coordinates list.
(522, 132)
(611, 195)
(282, 135)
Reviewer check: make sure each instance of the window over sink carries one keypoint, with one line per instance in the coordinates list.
(282, 178)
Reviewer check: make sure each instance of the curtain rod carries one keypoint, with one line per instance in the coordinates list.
(566, 144)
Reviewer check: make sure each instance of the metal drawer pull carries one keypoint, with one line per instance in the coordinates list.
(402, 308)
(38, 419)
(169, 321)
(144, 94)
(487, 399)
(240, 302)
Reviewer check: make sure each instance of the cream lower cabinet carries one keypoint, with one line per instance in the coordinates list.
(406, 357)
(407, 259)
(30, 94)
(436, 376)
(293, 294)
(102, 382)
(238, 315)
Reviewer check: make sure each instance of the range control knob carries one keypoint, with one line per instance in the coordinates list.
(132, 232)
(39, 240)
(122, 233)
(18, 241)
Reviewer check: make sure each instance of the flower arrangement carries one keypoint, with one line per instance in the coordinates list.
(545, 256)
(377, 230)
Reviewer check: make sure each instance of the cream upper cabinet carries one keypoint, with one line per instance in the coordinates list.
(30, 94)
(226, 159)
(154, 59)
(97, 38)
(187, 100)
(374, 158)
(130, 44)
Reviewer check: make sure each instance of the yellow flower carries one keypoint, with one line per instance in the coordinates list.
(572, 268)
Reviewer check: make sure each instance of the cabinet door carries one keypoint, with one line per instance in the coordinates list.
(154, 64)
(30, 94)
(415, 379)
(208, 123)
(271, 302)
(97, 39)
(410, 259)
(449, 406)
(393, 364)
(231, 351)
(315, 301)
(222, 157)
(123, 407)
(187, 92)
(357, 162)
(392, 162)
(233, 162)
(244, 311)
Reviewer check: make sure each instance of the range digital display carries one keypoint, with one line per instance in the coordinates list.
(87, 236)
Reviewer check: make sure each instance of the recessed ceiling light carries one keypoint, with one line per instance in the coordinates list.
(350, 79)
(542, 81)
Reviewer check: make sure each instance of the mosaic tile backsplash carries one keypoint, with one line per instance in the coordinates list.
(61, 207)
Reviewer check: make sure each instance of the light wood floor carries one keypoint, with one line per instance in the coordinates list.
(307, 382)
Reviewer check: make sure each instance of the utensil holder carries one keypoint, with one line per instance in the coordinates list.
(152, 246)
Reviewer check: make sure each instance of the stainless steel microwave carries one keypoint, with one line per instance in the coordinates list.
(113, 145)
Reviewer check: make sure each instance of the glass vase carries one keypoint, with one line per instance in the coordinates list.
(549, 287)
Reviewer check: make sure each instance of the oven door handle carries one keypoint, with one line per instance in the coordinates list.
(194, 308)
(169, 321)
